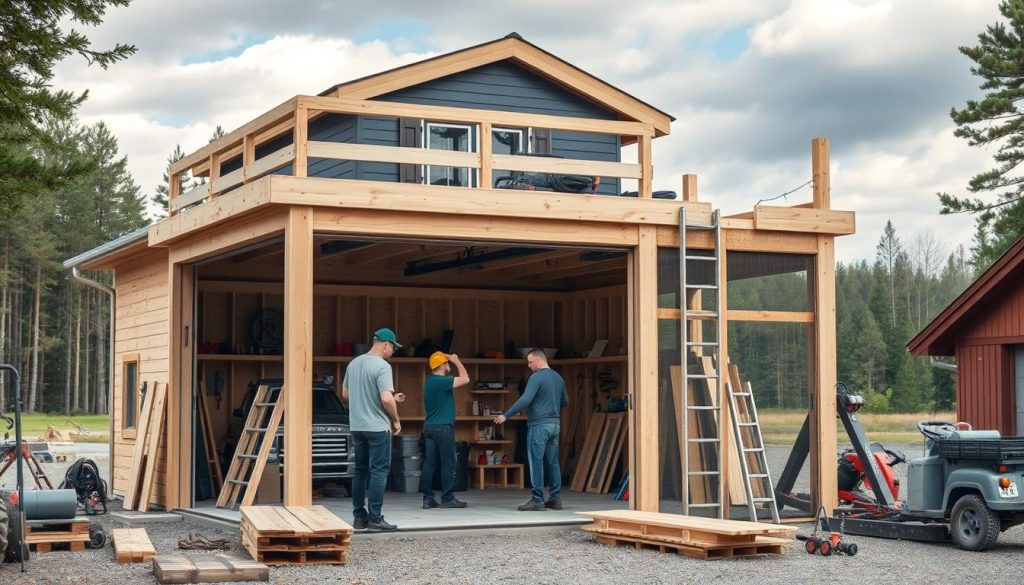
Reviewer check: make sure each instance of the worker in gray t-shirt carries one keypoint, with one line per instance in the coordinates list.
(369, 389)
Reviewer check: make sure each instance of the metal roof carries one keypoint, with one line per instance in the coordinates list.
(108, 248)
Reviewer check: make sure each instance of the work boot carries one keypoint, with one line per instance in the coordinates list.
(359, 522)
(382, 526)
(428, 504)
(553, 504)
(532, 506)
(454, 504)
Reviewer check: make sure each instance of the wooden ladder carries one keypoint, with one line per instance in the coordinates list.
(209, 440)
(757, 481)
(253, 448)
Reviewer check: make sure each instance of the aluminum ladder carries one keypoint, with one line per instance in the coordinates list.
(253, 448)
(747, 429)
(692, 293)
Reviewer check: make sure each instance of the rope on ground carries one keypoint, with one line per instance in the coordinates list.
(196, 541)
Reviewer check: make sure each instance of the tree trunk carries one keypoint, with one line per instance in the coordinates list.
(75, 399)
(87, 373)
(101, 355)
(34, 381)
(68, 344)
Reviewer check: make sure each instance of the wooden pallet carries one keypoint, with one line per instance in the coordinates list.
(696, 537)
(132, 545)
(41, 538)
(207, 568)
(755, 549)
(295, 535)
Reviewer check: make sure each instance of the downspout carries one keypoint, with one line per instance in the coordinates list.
(941, 365)
(110, 394)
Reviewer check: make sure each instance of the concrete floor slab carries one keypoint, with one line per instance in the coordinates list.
(487, 509)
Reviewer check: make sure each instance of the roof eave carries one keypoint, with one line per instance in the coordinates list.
(99, 257)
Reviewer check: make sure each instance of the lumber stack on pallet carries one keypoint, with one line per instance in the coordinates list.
(132, 545)
(295, 535)
(42, 537)
(605, 441)
(700, 538)
(208, 568)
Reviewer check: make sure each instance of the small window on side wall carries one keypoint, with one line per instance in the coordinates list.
(130, 394)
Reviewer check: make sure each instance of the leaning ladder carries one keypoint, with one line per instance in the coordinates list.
(253, 448)
(747, 429)
(692, 292)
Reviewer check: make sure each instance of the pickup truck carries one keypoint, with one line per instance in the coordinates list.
(333, 456)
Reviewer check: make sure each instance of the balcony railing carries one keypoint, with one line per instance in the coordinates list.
(293, 117)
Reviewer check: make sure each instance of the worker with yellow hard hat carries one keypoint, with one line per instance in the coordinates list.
(439, 429)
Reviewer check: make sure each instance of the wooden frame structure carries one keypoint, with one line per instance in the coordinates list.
(269, 195)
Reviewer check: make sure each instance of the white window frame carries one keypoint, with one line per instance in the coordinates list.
(524, 135)
(470, 144)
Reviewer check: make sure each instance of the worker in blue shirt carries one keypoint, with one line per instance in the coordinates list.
(544, 398)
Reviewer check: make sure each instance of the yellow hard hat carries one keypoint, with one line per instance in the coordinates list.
(437, 359)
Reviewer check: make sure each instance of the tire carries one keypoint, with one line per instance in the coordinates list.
(825, 548)
(811, 545)
(973, 526)
(851, 549)
(5, 527)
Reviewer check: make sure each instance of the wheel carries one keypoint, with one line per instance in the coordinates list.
(811, 545)
(825, 548)
(5, 525)
(849, 548)
(972, 524)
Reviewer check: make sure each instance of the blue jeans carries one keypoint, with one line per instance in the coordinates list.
(438, 450)
(542, 442)
(373, 460)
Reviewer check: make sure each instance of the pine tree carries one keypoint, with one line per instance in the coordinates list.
(161, 199)
(996, 120)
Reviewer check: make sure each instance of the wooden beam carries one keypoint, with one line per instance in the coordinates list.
(393, 154)
(301, 133)
(270, 163)
(344, 105)
(511, 162)
(770, 316)
(190, 197)
(245, 199)
(370, 222)
(689, 187)
(645, 157)
(379, 195)
(239, 233)
(520, 261)
(823, 409)
(486, 154)
(820, 173)
(376, 253)
(799, 219)
(583, 269)
(173, 192)
(646, 487)
(298, 357)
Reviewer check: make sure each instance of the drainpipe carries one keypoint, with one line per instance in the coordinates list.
(110, 375)
(936, 363)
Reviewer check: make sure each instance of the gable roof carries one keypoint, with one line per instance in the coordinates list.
(939, 337)
(515, 48)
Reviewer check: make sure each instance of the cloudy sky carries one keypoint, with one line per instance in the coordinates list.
(749, 81)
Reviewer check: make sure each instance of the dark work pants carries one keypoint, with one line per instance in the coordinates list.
(438, 449)
(373, 460)
(542, 441)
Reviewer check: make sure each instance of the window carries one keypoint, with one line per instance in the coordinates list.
(130, 394)
(508, 141)
(455, 138)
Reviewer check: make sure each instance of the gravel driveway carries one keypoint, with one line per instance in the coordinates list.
(555, 556)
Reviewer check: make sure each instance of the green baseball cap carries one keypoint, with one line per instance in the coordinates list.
(388, 335)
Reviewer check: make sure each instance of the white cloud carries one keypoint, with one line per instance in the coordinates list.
(876, 76)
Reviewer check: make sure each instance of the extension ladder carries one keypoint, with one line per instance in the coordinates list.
(253, 447)
(747, 429)
(706, 436)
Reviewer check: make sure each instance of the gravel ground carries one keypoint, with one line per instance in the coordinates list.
(556, 556)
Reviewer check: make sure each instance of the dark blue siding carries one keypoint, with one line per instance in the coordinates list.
(507, 87)
(382, 132)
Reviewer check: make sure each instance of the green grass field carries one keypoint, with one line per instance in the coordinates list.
(34, 425)
(780, 427)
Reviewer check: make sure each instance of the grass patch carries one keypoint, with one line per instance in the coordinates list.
(780, 427)
(34, 425)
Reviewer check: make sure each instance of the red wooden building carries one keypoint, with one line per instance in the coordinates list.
(984, 329)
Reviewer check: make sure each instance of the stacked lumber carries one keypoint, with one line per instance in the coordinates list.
(42, 537)
(207, 568)
(605, 440)
(132, 545)
(294, 535)
(691, 536)
(147, 445)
